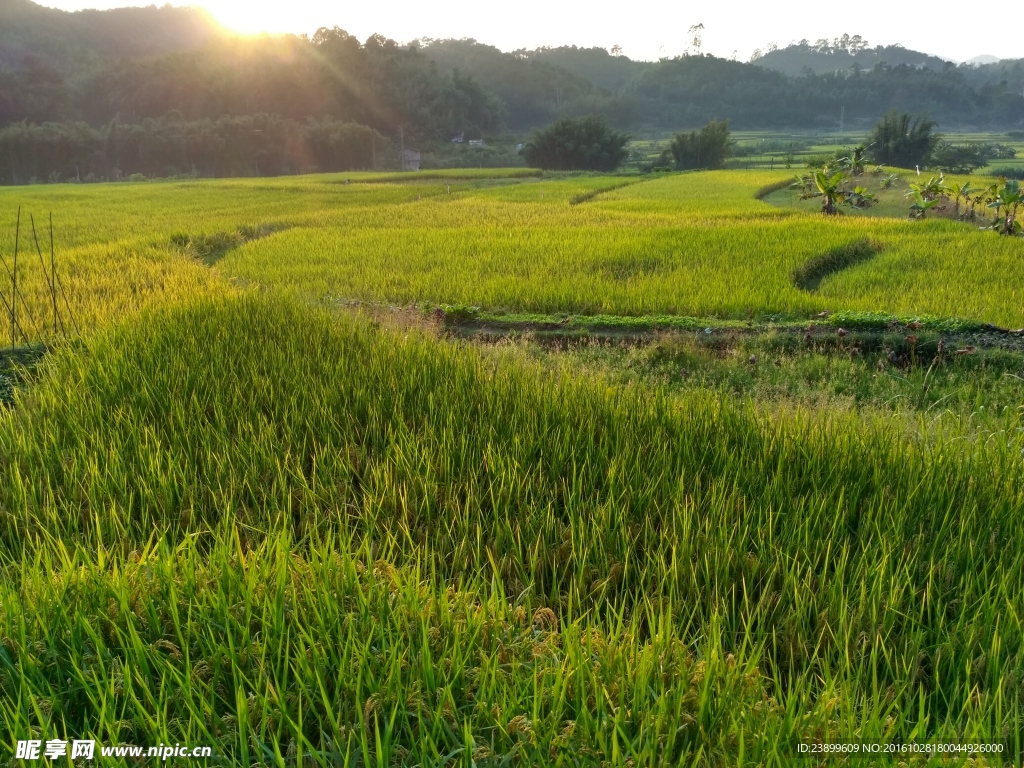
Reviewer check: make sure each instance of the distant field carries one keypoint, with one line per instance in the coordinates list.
(771, 150)
(693, 244)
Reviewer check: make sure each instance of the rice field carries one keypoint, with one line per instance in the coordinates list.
(233, 514)
(692, 244)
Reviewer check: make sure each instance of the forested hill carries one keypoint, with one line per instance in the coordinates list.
(830, 56)
(164, 90)
(69, 41)
(138, 63)
(846, 55)
(687, 91)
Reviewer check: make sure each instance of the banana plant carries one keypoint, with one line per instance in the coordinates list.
(1009, 200)
(856, 160)
(921, 204)
(964, 192)
(889, 181)
(926, 196)
(861, 197)
(992, 200)
(830, 189)
(933, 189)
(984, 197)
(804, 183)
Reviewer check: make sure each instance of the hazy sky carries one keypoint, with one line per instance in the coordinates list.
(645, 31)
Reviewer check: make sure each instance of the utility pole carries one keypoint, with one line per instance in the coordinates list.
(373, 148)
(401, 133)
(842, 118)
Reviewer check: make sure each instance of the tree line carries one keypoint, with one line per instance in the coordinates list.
(379, 83)
(251, 145)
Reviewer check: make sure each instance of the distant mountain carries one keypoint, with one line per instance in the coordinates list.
(983, 59)
(1005, 73)
(534, 89)
(823, 57)
(31, 35)
(604, 69)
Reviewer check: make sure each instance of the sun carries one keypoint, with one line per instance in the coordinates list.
(248, 18)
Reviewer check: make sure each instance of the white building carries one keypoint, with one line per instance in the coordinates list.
(410, 160)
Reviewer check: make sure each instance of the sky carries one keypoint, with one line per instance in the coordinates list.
(648, 31)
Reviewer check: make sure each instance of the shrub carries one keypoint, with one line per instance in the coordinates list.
(577, 144)
(706, 148)
(954, 158)
(1009, 172)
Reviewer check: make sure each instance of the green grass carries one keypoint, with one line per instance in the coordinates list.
(15, 364)
(344, 544)
(868, 372)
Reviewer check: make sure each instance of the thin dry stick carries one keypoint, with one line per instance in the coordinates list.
(13, 276)
(53, 292)
(60, 284)
(14, 281)
(49, 281)
(8, 307)
(10, 313)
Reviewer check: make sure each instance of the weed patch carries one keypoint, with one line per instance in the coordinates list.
(808, 276)
(14, 365)
(211, 248)
(627, 267)
(588, 196)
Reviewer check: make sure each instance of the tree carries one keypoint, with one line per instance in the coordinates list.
(706, 148)
(958, 159)
(696, 30)
(902, 141)
(577, 144)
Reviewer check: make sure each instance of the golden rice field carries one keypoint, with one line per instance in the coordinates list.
(695, 244)
(233, 514)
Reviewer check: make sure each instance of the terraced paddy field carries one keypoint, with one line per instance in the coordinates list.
(505, 469)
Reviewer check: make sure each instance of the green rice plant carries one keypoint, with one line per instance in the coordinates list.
(336, 656)
(260, 559)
